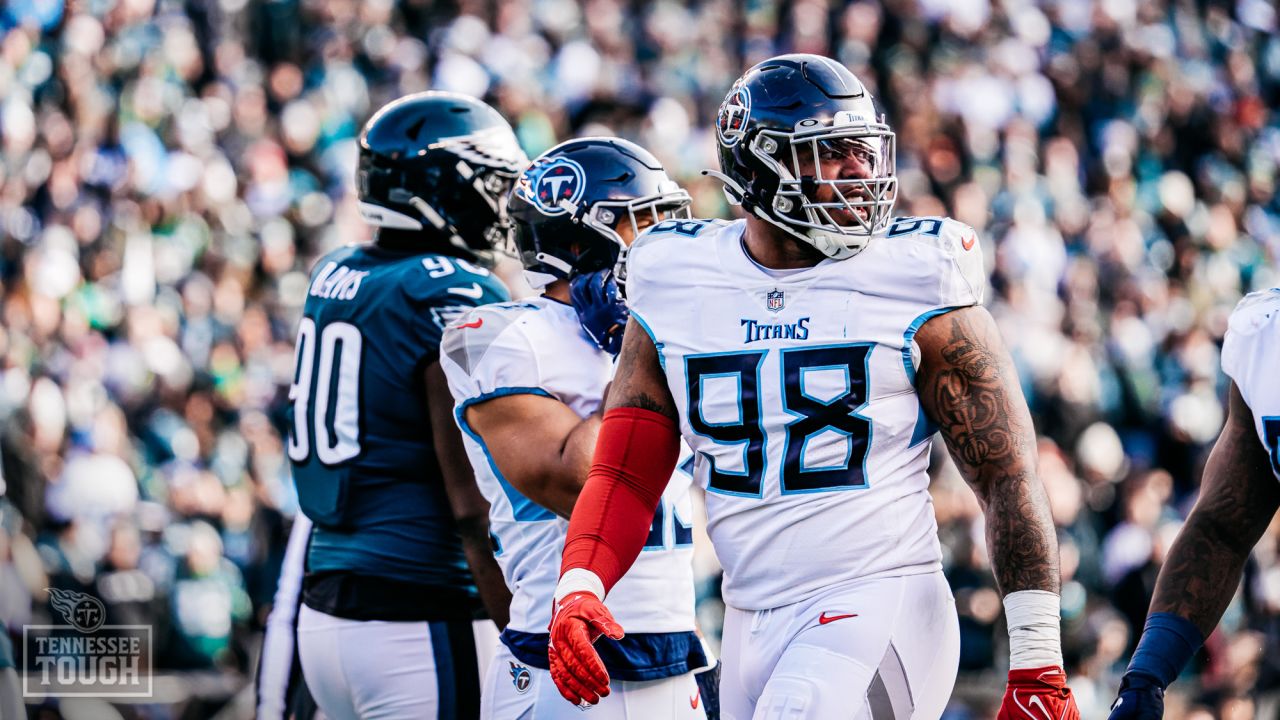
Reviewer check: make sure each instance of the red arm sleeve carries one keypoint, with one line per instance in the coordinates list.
(635, 455)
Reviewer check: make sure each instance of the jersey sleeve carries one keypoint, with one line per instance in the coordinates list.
(963, 279)
(1251, 350)
(438, 297)
(485, 354)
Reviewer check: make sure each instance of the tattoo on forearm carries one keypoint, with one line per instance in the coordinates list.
(648, 402)
(1238, 500)
(639, 381)
(971, 392)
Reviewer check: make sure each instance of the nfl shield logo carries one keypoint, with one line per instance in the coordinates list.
(773, 300)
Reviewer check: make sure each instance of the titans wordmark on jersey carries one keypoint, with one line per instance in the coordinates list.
(538, 347)
(364, 466)
(1250, 356)
(796, 392)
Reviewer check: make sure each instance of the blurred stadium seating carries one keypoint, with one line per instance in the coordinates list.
(169, 170)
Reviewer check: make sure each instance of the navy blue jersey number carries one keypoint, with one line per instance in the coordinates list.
(930, 227)
(816, 416)
(688, 227)
(747, 431)
(1271, 429)
(833, 417)
(682, 532)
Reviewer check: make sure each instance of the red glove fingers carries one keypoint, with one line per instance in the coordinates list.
(579, 620)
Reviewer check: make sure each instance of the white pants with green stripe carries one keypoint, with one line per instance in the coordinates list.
(375, 670)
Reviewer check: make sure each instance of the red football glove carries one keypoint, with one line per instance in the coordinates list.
(578, 621)
(1038, 694)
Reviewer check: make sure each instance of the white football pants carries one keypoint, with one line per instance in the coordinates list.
(375, 670)
(881, 649)
(515, 690)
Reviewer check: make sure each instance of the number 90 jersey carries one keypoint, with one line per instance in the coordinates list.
(796, 393)
(359, 439)
(1250, 357)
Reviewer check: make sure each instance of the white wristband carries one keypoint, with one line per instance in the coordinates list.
(579, 580)
(1035, 631)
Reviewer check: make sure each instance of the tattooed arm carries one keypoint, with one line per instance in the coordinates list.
(639, 381)
(1238, 498)
(969, 387)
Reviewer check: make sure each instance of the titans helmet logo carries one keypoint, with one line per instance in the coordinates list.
(550, 181)
(735, 111)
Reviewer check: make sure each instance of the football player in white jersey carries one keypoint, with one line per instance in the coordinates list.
(528, 378)
(807, 354)
(1239, 496)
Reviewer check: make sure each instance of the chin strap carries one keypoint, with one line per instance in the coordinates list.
(554, 262)
(732, 189)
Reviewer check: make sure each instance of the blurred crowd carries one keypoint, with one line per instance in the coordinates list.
(169, 170)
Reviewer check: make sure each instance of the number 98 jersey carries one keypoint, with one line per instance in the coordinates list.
(1250, 356)
(796, 392)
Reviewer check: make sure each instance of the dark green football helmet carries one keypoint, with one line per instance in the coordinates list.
(441, 163)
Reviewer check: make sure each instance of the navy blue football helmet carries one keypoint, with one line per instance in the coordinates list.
(778, 124)
(441, 163)
(581, 202)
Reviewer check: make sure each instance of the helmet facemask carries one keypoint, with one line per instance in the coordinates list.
(488, 163)
(837, 215)
(607, 216)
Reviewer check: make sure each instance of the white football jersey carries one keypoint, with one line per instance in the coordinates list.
(538, 346)
(1251, 357)
(796, 393)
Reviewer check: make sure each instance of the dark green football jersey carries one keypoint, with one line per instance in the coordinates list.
(360, 438)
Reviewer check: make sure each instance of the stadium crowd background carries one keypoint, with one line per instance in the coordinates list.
(171, 169)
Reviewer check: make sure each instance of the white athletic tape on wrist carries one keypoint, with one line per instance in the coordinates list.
(579, 580)
(1035, 630)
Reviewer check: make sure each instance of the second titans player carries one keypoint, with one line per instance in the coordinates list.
(529, 379)
(1239, 497)
(386, 629)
